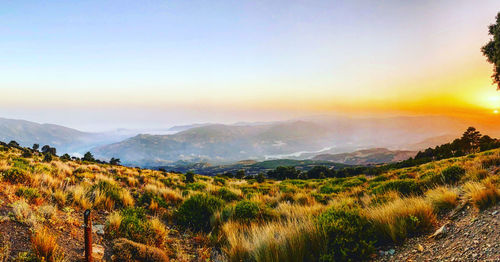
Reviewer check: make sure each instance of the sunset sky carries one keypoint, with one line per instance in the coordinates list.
(97, 65)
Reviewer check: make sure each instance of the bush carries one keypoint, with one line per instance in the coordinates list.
(246, 211)
(227, 195)
(442, 197)
(396, 220)
(403, 186)
(349, 236)
(219, 181)
(28, 193)
(197, 210)
(16, 175)
(482, 195)
(133, 224)
(196, 186)
(452, 174)
(189, 177)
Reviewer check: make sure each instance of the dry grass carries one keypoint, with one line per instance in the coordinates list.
(398, 219)
(47, 211)
(442, 197)
(482, 195)
(160, 232)
(286, 240)
(44, 246)
(60, 197)
(114, 222)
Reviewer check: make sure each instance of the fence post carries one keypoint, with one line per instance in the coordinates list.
(88, 235)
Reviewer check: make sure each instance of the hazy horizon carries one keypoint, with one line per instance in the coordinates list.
(99, 66)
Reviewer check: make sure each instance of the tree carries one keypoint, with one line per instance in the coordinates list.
(46, 149)
(88, 157)
(116, 161)
(65, 157)
(35, 147)
(470, 139)
(492, 50)
(260, 178)
(189, 177)
(47, 157)
(240, 174)
(13, 144)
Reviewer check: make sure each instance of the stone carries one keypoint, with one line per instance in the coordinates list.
(98, 229)
(97, 252)
(440, 232)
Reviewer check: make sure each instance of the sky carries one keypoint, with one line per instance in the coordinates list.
(100, 65)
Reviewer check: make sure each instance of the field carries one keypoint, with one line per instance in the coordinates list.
(150, 215)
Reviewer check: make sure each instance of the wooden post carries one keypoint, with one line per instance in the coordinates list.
(88, 235)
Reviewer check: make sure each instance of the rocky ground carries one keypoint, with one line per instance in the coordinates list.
(469, 236)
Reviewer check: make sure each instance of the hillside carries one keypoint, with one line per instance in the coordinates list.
(66, 140)
(250, 167)
(300, 139)
(367, 156)
(188, 218)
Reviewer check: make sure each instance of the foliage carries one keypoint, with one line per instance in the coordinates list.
(28, 192)
(349, 236)
(197, 210)
(403, 186)
(492, 50)
(226, 194)
(246, 210)
(189, 177)
(452, 174)
(16, 175)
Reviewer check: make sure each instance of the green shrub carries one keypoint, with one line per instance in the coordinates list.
(196, 186)
(189, 177)
(109, 189)
(219, 181)
(134, 225)
(452, 174)
(246, 210)
(349, 236)
(197, 211)
(341, 184)
(22, 163)
(403, 186)
(28, 193)
(16, 175)
(227, 195)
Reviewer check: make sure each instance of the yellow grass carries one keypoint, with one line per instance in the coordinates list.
(482, 195)
(442, 197)
(401, 217)
(44, 246)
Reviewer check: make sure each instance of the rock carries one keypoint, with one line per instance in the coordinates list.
(98, 229)
(97, 252)
(420, 248)
(440, 232)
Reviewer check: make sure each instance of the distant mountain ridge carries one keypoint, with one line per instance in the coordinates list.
(223, 144)
(64, 139)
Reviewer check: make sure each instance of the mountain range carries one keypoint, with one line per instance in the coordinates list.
(315, 138)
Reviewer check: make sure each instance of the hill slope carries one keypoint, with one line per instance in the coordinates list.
(300, 139)
(367, 156)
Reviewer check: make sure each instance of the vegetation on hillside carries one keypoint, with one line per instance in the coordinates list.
(319, 219)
